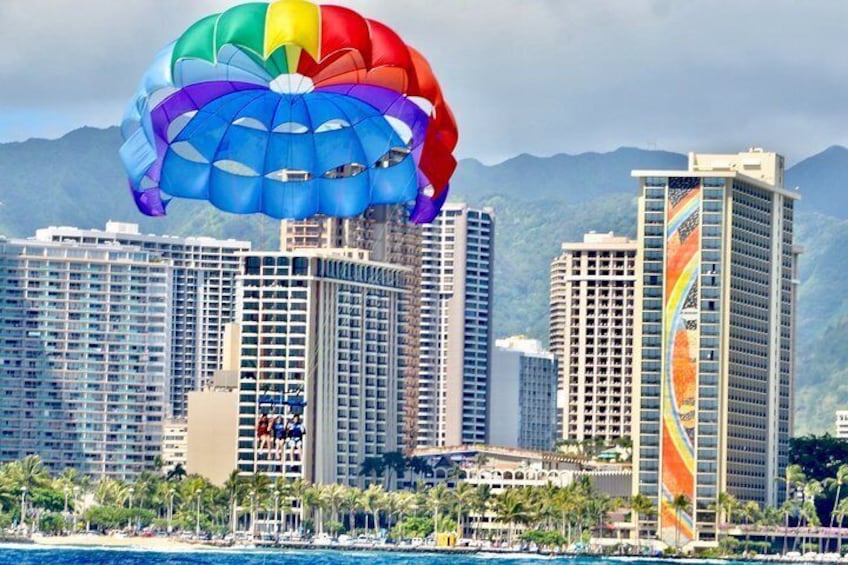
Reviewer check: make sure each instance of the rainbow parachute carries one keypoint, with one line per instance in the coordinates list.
(290, 109)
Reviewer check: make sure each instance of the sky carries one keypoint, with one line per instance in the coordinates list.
(533, 76)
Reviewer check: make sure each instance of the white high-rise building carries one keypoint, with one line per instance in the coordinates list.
(202, 297)
(592, 304)
(522, 397)
(842, 424)
(716, 295)
(84, 346)
(322, 339)
(456, 327)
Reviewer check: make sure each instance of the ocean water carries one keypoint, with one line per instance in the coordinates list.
(41, 555)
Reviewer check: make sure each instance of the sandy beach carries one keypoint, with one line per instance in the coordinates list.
(92, 540)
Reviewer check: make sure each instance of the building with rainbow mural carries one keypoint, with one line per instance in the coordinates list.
(714, 363)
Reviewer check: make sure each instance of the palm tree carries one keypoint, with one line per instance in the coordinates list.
(789, 508)
(281, 491)
(257, 486)
(352, 501)
(234, 486)
(437, 498)
(750, 514)
(841, 512)
(464, 495)
(546, 513)
(178, 473)
(65, 484)
(838, 480)
(372, 501)
(298, 490)
(726, 506)
(793, 477)
(29, 473)
(510, 508)
(110, 492)
(393, 462)
(334, 498)
(419, 467)
(145, 486)
(312, 499)
(406, 504)
(373, 467)
(391, 502)
(770, 518)
(571, 501)
(810, 518)
(480, 503)
(679, 504)
(641, 505)
(812, 490)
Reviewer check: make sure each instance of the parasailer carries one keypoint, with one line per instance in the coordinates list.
(290, 109)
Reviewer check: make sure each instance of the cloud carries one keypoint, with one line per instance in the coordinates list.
(542, 77)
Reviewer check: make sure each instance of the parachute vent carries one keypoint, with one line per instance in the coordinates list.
(345, 171)
(290, 175)
(392, 157)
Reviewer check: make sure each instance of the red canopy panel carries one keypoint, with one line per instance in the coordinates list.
(344, 29)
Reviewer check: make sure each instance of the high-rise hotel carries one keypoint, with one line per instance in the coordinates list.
(456, 327)
(448, 337)
(321, 348)
(714, 370)
(202, 297)
(84, 348)
(592, 305)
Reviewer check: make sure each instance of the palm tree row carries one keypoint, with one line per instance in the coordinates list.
(31, 497)
(256, 504)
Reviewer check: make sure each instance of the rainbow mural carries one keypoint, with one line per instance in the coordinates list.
(680, 353)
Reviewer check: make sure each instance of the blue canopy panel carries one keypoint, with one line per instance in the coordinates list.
(290, 200)
(138, 155)
(289, 156)
(336, 148)
(237, 193)
(397, 184)
(344, 197)
(232, 65)
(184, 178)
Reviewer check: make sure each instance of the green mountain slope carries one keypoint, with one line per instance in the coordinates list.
(539, 202)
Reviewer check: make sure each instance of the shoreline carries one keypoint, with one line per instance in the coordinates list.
(176, 545)
(169, 543)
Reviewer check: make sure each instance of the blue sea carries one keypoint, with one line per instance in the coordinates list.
(40, 555)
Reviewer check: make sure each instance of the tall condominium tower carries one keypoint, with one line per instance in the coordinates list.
(716, 297)
(456, 332)
(84, 347)
(592, 304)
(323, 348)
(523, 395)
(388, 237)
(202, 298)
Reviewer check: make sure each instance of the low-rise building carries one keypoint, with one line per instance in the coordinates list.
(174, 443)
(523, 395)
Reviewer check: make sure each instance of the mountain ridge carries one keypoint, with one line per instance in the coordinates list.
(540, 202)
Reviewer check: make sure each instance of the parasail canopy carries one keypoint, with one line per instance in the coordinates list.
(290, 109)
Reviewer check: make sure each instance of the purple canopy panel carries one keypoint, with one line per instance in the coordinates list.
(149, 201)
(427, 208)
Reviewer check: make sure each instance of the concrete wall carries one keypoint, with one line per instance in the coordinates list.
(212, 433)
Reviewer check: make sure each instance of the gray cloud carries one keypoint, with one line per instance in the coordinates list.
(540, 77)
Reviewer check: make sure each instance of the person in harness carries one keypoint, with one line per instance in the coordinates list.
(278, 431)
(295, 431)
(263, 433)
